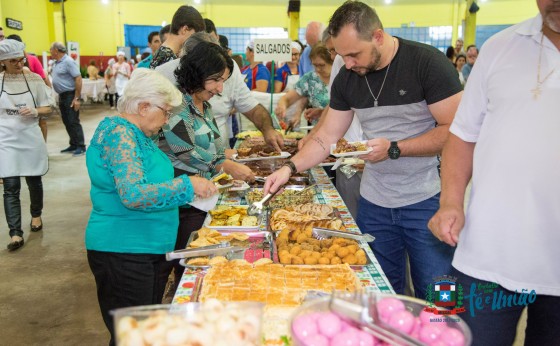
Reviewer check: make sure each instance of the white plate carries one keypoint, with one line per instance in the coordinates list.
(306, 127)
(243, 187)
(350, 153)
(324, 164)
(234, 228)
(282, 155)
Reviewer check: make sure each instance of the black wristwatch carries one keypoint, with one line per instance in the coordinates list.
(292, 166)
(394, 151)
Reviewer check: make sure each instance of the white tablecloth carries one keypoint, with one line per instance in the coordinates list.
(94, 89)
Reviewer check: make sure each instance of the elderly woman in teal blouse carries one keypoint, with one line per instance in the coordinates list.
(312, 85)
(135, 197)
(192, 139)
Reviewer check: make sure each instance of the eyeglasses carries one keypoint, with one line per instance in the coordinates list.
(295, 54)
(167, 113)
(17, 61)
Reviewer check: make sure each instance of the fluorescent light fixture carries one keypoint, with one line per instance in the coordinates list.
(388, 1)
(482, 0)
(197, 2)
(104, 2)
(164, 23)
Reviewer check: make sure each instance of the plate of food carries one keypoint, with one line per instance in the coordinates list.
(222, 180)
(329, 161)
(243, 157)
(343, 148)
(232, 217)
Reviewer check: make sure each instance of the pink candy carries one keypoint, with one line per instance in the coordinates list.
(387, 306)
(328, 329)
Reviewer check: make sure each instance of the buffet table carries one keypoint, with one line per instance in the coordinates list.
(94, 89)
(371, 276)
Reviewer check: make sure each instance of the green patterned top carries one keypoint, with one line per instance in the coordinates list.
(192, 140)
(311, 86)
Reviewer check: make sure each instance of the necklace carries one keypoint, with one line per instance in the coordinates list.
(375, 103)
(537, 90)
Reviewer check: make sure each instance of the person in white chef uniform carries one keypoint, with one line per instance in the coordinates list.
(122, 72)
(23, 153)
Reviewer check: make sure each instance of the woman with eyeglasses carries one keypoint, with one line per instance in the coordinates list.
(192, 138)
(135, 197)
(287, 75)
(23, 153)
(312, 85)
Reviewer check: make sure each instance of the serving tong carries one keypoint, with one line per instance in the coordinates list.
(324, 233)
(362, 309)
(256, 208)
(218, 249)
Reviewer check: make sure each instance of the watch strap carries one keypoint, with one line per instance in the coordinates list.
(292, 166)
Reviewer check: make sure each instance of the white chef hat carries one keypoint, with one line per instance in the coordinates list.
(120, 53)
(296, 46)
(11, 49)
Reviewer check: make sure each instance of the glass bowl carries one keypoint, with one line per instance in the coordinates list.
(315, 317)
(209, 323)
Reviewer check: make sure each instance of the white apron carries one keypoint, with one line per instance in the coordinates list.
(23, 151)
(121, 80)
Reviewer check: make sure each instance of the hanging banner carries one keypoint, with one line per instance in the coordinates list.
(74, 51)
(277, 49)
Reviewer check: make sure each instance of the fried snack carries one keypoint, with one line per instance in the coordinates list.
(239, 236)
(275, 284)
(342, 252)
(262, 261)
(324, 260)
(336, 260)
(310, 260)
(297, 260)
(199, 242)
(232, 216)
(240, 262)
(350, 259)
(199, 261)
(216, 260)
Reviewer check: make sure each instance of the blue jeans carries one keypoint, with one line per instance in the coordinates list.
(403, 230)
(499, 326)
(71, 119)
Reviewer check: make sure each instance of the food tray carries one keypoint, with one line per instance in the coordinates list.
(282, 155)
(360, 244)
(234, 228)
(282, 199)
(259, 245)
(350, 153)
(334, 215)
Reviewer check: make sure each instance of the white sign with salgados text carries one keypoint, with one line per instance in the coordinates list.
(277, 49)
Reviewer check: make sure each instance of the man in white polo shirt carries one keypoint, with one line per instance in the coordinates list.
(506, 137)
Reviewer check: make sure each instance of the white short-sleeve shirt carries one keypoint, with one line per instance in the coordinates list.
(512, 230)
(354, 132)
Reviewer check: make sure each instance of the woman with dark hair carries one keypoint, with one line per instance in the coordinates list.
(460, 61)
(450, 54)
(192, 139)
(312, 85)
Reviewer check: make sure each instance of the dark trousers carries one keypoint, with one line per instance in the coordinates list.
(499, 326)
(71, 119)
(12, 203)
(190, 220)
(111, 99)
(124, 280)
